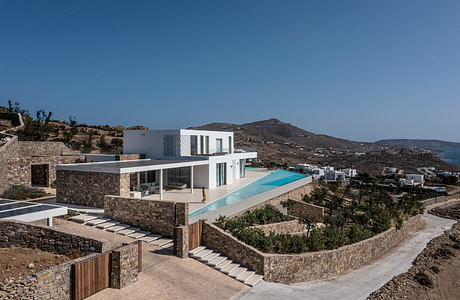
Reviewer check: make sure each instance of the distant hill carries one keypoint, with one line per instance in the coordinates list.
(434, 145)
(285, 144)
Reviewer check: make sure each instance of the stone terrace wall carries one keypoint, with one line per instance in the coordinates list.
(129, 156)
(13, 233)
(302, 209)
(89, 188)
(290, 268)
(124, 265)
(223, 242)
(157, 216)
(282, 227)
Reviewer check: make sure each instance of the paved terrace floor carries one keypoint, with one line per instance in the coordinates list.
(360, 283)
(212, 194)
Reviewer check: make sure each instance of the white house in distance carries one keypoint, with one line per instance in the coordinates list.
(412, 180)
(222, 163)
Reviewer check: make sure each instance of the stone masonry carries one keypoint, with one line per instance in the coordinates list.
(302, 209)
(287, 227)
(89, 188)
(291, 268)
(151, 215)
(124, 265)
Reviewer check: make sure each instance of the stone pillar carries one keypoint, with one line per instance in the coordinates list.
(181, 241)
(181, 211)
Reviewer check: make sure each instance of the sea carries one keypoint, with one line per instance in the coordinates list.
(452, 156)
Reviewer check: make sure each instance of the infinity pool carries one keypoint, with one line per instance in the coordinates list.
(268, 182)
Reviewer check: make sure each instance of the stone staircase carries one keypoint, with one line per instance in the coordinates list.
(122, 229)
(225, 265)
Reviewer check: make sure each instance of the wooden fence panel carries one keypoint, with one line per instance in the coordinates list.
(91, 276)
(195, 231)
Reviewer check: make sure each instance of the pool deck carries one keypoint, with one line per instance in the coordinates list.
(212, 195)
(235, 208)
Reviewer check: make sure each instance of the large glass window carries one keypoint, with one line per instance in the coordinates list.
(221, 174)
(177, 177)
(193, 144)
(242, 168)
(207, 144)
(170, 145)
(219, 148)
(202, 144)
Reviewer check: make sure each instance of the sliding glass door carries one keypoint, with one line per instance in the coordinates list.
(221, 174)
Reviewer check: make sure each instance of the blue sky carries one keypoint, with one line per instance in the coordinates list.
(362, 70)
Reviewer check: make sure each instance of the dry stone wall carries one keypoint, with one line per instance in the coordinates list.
(125, 262)
(151, 215)
(89, 188)
(302, 209)
(286, 227)
(291, 268)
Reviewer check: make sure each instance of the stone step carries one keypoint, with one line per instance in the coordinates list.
(161, 242)
(107, 224)
(209, 257)
(137, 235)
(149, 238)
(245, 275)
(223, 264)
(216, 261)
(237, 272)
(202, 254)
(127, 231)
(196, 250)
(96, 221)
(118, 227)
(82, 218)
(229, 268)
(253, 280)
(168, 245)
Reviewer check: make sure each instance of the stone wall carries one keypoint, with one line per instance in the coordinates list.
(13, 233)
(157, 216)
(181, 241)
(286, 227)
(55, 282)
(129, 156)
(16, 159)
(223, 242)
(13, 118)
(291, 268)
(89, 188)
(125, 263)
(301, 209)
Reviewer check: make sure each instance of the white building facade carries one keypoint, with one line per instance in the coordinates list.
(223, 167)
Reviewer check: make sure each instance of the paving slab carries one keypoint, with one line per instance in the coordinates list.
(196, 250)
(230, 268)
(253, 280)
(237, 272)
(82, 218)
(161, 242)
(216, 261)
(223, 264)
(107, 225)
(148, 238)
(209, 257)
(128, 231)
(96, 221)
(167, 245)
(118, 227)
(137, 235)
(245, 275)
(202, 254)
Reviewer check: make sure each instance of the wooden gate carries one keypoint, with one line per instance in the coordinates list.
(91, 276)
(194, 234)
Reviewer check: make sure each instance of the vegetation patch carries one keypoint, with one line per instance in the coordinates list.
(20, 192)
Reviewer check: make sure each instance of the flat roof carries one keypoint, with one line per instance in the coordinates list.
(132, 166)
(29, 211)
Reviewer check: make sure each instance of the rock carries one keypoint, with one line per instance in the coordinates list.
(424, 279)
(31, 266)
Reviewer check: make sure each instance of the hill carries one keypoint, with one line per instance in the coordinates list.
(285, 144)
(434, 145)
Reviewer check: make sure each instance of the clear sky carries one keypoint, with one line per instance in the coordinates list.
(362, 70)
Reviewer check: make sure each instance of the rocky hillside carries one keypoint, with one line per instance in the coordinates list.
(434, 145)
(285, 144)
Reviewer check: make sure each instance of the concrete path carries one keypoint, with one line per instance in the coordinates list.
(360, 283)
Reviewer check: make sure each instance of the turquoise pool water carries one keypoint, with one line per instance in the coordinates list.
(268, 182)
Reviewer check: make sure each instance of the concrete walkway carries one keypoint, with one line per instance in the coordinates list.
(360, 283)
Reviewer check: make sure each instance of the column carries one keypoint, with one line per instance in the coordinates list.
(138, 178)
(161, 184)
(146, 179)
(191, 179)
(49, 221)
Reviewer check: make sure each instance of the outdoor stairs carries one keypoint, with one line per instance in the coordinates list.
(123, 229)
(225, 265)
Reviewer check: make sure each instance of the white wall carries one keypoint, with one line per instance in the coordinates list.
(213, 135)
(148, 142)
(201, 176)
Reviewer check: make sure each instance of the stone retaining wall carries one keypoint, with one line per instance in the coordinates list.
(290, 268)
(157, 216)
(89, 188)
(286, 227)
(439, 199)
(129, 156)
(301, 209)
(124, 265)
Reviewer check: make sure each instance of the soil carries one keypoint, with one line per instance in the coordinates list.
(436, 270)
(17, 261)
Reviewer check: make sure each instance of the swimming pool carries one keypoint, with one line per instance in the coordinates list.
(268, 182)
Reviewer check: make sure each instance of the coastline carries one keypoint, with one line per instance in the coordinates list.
(450, 156)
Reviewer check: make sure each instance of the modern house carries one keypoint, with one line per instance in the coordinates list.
(175, 160)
